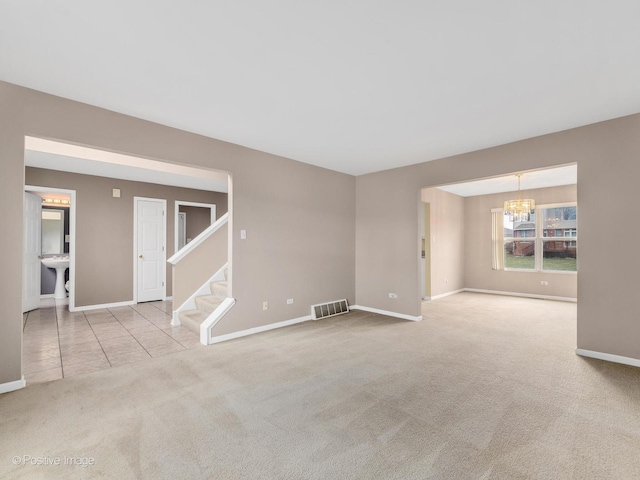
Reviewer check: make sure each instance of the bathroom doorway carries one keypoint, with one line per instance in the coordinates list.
(57, 235)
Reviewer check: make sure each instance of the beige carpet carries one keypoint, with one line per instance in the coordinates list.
(484, 387)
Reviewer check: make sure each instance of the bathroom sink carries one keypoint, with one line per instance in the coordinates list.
(53, 262)
(60, 264)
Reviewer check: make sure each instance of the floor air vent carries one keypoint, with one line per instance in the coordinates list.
(330, 309)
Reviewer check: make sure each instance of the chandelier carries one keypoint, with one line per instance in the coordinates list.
(520, 209)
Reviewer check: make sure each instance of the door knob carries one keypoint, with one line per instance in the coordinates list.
(139, 256)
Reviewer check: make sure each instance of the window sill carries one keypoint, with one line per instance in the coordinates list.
(526, 270)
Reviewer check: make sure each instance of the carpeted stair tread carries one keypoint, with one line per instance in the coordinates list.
(192, 319)
(208, 303)
(219, 288)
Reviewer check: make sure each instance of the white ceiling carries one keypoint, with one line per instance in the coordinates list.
(356, 86)
(550, 177)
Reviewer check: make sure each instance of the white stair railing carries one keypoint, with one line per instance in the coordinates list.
(193, 267)
(196, 242)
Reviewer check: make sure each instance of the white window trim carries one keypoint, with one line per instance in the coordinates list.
(539, 240)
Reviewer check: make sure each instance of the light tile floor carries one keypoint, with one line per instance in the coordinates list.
(58, 343)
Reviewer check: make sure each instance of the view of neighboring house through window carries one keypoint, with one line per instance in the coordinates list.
(520, 243)
(558, 224)
(547, 241)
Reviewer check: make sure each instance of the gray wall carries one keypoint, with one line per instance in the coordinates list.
(104, 229)
(478, 272)
(198, 220)
(301, 241)
(299, 218)
(607, 155)
(446, 241)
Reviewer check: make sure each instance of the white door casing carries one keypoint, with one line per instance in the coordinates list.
(31, 260)
(212, 208)
(149, 251)
(72, 237)
(182, 230)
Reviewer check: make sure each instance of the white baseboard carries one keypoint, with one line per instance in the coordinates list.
(442, 295)
(386, 312)
(12, 386)
(264, 328)
(169, 298)
(526, 295)
(47, 295)
(634, 362)
(104, 305)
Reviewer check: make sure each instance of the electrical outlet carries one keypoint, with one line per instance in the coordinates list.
(243, 234)
(289, 301)
(544, 282)
(393, 295)
(265, 305)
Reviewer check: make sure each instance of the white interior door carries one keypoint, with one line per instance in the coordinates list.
(31, 263)
(150, 249)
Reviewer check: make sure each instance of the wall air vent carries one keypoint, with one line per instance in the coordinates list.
(323, 310)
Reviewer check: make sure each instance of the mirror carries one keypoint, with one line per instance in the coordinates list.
(52, 232)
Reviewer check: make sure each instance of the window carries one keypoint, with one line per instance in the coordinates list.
(558, 224)
(547, 241)
(519, 253)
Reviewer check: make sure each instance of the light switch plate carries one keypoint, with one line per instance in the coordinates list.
(116, 193)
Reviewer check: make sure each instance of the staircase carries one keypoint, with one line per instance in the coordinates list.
(201, 298)
(205, 305)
